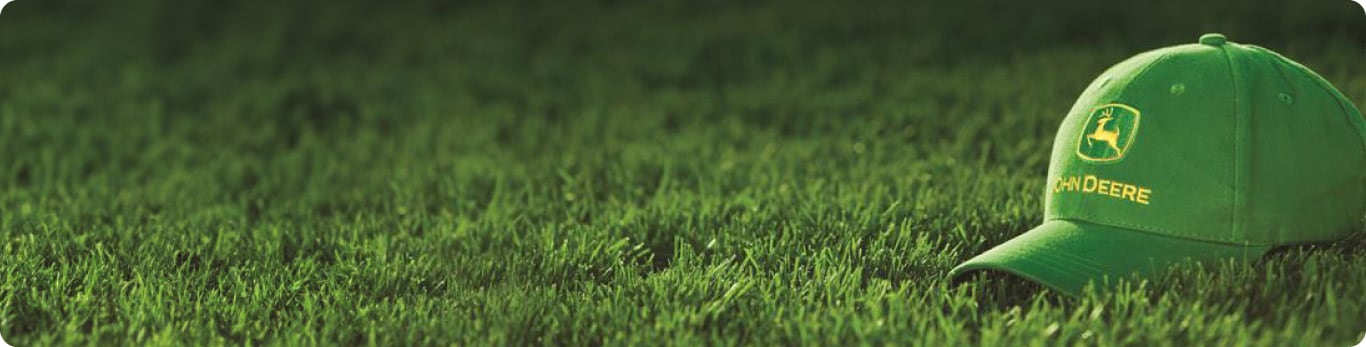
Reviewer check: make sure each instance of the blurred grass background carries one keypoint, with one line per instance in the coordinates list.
(594, 173)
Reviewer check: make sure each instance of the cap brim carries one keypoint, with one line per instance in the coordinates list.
(1067, 255)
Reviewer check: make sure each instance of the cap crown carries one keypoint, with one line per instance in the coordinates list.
(1216, 141)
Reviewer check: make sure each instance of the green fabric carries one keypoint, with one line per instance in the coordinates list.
(1204, 151)
(1067, 255)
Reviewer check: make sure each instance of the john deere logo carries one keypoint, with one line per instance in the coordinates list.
(1108, 133)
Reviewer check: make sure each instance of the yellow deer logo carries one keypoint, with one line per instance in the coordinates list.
(1109, 137)
(1108, 133)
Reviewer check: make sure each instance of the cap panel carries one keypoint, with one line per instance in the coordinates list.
(1174, 177)
(1305, 159)
(1063, 162)
(1352, 115)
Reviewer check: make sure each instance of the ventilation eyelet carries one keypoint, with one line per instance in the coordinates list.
(1286, 98)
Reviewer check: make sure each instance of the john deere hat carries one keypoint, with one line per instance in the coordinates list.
(1198, 152)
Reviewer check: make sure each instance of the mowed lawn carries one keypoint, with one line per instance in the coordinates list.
(584, 173)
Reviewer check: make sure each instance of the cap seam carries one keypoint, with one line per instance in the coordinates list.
(1238, 136)
(1095, 219)
(1281, 72)
(1147, 229)
(1322, 85)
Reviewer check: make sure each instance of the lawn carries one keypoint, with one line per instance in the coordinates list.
(594, 173)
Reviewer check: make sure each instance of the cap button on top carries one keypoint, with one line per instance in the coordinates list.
(1213, 39)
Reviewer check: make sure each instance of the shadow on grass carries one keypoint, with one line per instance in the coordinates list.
(999, 290)
(1352, 246)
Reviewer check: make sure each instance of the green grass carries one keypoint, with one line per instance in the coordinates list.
(587, 174)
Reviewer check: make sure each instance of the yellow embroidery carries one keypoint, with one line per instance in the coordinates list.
(1108, 134)
(1090, 184)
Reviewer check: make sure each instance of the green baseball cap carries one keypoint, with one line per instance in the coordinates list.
(1198, 152)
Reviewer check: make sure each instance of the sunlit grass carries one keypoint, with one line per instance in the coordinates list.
(492, 174)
